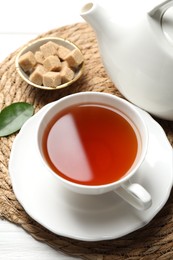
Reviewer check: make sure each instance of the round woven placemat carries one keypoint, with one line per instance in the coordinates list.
(154, 241)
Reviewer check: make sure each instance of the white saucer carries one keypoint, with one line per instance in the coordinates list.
(86, 217)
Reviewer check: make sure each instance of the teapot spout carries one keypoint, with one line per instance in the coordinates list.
(96, 16)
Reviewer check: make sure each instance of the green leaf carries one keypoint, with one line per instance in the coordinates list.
(14, 116)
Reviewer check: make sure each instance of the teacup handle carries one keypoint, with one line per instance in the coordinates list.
(135, 195)
(160, 9)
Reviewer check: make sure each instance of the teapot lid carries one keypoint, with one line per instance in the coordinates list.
(167, 24)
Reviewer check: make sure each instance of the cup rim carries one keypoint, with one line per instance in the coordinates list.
(109, 186)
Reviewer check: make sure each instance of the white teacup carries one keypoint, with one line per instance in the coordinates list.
(63, 153)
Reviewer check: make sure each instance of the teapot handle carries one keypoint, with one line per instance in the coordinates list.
(159, 10)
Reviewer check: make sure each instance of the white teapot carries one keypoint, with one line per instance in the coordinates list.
(138, 56)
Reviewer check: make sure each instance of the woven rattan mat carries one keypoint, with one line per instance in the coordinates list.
(154, 241)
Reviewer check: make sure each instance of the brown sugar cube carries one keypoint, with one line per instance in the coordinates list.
(51, 79)
(64, 64)
(49, 48)
(39, 57)
(63, 52)
(67, 74)
(27, 61)
(37, 75)
(52, 63)
(74, 58)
